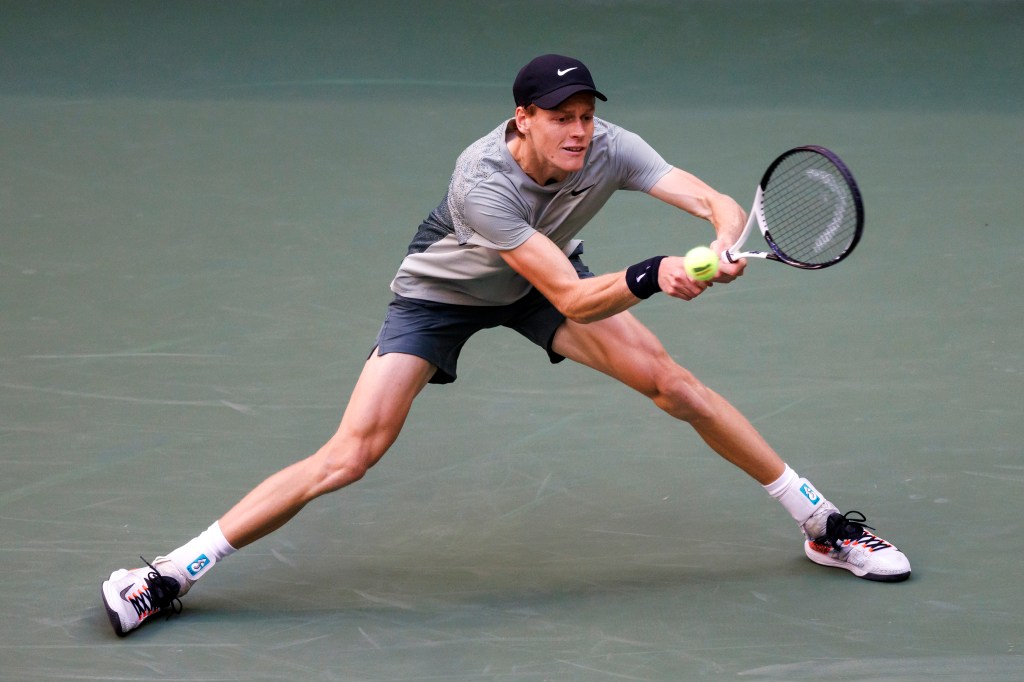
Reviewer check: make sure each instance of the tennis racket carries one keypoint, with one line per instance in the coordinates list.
(809, 211)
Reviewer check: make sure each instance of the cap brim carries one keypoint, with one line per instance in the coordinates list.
(556, 97)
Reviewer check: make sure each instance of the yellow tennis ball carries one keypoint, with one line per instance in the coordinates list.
(701, 263)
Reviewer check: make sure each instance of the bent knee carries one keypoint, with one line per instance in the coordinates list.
(338, 465)
(679, 393)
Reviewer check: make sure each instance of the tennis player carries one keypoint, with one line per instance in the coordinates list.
(501, 250)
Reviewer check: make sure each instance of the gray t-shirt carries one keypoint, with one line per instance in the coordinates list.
(493, 206)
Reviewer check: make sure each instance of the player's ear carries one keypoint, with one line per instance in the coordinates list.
(523, 115)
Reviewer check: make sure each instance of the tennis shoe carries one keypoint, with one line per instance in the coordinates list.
(845, 541)
(132, 597)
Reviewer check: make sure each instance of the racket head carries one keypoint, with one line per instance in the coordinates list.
(809, 208)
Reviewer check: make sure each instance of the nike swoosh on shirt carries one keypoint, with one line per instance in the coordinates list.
(577, 192)
(562, 72)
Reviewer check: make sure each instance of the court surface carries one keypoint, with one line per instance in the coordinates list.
(202, 205)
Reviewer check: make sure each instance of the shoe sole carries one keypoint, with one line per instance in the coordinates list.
(822, 560)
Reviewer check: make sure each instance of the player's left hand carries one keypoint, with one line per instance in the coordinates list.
(675, 282)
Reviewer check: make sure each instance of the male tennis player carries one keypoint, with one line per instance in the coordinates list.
(500, 250)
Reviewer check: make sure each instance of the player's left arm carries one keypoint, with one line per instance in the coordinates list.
(688, 192)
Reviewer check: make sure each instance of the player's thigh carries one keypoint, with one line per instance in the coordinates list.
(382, 397)
(619, 346)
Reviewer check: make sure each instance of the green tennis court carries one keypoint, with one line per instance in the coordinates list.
(202, 206)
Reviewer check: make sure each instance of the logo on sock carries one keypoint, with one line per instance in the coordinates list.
(806, 490)
(198, 564)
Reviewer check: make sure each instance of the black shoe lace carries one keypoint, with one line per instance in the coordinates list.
(163, 591)
(850, 526)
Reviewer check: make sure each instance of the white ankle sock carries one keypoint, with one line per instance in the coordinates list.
(197, 556)
(796, 494)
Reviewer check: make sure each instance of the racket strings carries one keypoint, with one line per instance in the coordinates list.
(809, 209)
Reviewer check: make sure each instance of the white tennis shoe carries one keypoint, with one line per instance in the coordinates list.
(132, 597)
(844, 541)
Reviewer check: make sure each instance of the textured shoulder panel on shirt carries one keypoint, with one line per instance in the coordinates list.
(478, 162)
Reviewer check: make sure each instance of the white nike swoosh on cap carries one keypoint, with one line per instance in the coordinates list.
(562, 72)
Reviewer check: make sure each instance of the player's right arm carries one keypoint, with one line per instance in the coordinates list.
(541, 262)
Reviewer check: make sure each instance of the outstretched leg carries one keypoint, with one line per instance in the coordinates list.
(623, 348)
(372, 421)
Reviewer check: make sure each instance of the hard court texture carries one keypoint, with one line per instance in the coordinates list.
(202, 205)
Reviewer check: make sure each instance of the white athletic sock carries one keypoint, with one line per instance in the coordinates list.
(197, 556)
(796, 494)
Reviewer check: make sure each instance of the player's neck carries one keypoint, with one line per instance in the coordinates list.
(535, 167)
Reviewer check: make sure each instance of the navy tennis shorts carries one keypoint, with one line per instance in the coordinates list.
(437, 332)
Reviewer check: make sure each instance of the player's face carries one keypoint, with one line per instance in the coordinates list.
(557, 139)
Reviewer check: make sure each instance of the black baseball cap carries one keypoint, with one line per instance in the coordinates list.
(550, 79)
